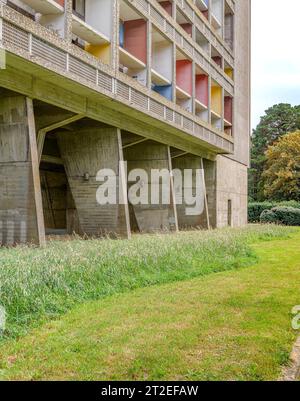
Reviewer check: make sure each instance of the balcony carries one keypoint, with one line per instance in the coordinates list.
(129, 60)
(162, 65)
(159, 79)
(84, 31)
(203, 6)
(46, 6)
(133, 44)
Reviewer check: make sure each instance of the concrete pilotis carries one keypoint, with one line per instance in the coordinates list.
(190, 215)
(21, 214)
(85, 152)
(151, 216)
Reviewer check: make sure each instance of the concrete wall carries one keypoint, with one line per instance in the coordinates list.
(86, 151)
(54, 194)
(186, 220)
(146, 217)
(242, 124)
(18, 221)
(231, 181)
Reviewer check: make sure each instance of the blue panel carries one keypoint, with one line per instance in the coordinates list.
(121, 33)
(165, 90)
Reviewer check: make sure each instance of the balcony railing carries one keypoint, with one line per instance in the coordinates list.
(35, 47)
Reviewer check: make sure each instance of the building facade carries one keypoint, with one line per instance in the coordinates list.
(87, 84)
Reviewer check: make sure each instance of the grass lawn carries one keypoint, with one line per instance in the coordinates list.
(234, 324)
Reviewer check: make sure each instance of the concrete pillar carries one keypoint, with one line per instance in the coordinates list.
(21, 213)
(186, 219)
(149, 217)
(210, 172)
(85, 152)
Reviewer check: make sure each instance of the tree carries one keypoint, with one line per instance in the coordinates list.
(282, 174)
(277, 121)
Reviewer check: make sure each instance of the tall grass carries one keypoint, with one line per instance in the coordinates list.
(39, 284)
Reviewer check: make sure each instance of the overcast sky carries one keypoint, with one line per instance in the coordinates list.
(275, 54)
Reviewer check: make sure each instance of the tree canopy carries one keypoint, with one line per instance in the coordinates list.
(277, 121)
(282, 173)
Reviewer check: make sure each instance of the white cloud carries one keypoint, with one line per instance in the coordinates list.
(275, 54)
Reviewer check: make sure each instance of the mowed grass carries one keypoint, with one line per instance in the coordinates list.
(40, 284)
(231, 325)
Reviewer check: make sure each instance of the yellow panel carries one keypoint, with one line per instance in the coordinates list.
(216, 99)
(102, 52)
(229, 72)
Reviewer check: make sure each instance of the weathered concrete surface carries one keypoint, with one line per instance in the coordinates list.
(85, 151)
(18, 218)
(146, 217)
(185, 220)
(54, 192)
(242, 78)
(231, 183)
(210, 174)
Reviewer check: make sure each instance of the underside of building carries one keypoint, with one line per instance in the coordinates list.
(156, 86)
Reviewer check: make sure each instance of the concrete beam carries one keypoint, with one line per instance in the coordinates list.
(78, 103)
(43, 132)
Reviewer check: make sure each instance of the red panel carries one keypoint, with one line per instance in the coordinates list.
(61, 2)
(218, 60)
(188, 28)
(184, 77)
(135, 38)
(228, 109)
(205, 13)
(202, 89)
(167, 6)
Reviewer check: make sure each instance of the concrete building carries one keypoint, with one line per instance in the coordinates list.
(85, 84)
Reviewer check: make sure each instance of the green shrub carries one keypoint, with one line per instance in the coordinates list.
(288, 216)
(255, 209)
(268, 216)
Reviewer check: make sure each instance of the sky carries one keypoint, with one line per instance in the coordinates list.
(275, 54)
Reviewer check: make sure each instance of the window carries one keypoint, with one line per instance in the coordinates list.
(229, 213)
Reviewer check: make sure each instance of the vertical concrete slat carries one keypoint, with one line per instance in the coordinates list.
(123, 185)
(205, 195)
(36, 173)
(173, 195)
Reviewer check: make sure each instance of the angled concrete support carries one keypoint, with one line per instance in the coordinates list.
(43, 131)
(124, 211)
(149, 216)
(173, 194)
(205, 195)
(21, 211)
(85, 152)
(188, 215)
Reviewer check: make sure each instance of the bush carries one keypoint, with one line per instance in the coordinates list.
(255, 209)
(288, 216)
